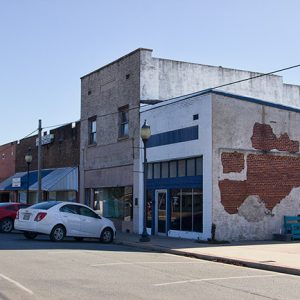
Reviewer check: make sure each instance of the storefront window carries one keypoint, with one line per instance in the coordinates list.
(149, 208)
(175, 209)
(164, 170)
(156, 170)
(197, 210)
(190, 166)
(114, 202)
(186, 210)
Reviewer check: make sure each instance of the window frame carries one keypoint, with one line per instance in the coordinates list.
(123, 122)
(92, 133)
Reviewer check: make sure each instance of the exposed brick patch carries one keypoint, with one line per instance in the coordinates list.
(269, 177)
(263, 138)
(232, 162)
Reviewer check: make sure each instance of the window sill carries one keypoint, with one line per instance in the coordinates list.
(92, 145)
(121, 138)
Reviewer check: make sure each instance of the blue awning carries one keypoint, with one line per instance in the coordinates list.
(60, 179)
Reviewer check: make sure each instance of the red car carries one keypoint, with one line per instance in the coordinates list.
(8, 212)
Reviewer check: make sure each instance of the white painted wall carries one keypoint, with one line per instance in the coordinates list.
(177, 115)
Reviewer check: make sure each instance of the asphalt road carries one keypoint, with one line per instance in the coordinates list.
(41, 269)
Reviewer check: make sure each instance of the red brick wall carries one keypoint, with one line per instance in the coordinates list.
(232, 162)
(62, 152)
(263, 138)
(269, 176)
(7, 160)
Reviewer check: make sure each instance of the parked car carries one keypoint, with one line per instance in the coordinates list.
(60, 219)
(8, 212)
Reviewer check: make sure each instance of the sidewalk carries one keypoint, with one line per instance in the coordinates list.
(275, 256)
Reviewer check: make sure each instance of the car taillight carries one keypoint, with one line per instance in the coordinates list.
(40, 216)
(17, 215)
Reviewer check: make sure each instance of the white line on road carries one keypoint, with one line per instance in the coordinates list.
(220, 278)
(148, 262)
(19, 285)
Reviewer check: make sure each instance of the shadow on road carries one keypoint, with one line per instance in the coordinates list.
(16, 241)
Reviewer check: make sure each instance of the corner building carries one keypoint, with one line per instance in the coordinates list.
(111, 98)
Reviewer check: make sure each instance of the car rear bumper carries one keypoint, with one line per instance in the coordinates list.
(32, 226)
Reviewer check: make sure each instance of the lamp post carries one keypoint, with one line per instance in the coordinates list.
(145, 135)
(28, 159)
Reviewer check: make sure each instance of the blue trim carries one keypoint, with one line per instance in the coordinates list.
(221, 93)
(258, 101)
(173, 137)
(33, 178)
(176, 182)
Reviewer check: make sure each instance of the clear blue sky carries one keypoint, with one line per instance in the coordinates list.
(46, 46)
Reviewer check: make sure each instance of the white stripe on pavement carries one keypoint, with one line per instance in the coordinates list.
(19, 285)
(220, 278)
(149, 262)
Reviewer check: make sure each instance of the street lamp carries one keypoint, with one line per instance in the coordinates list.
(28, 159)
(145, 135)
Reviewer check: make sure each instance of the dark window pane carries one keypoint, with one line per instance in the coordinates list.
(162, 206)
(71, 209)
(84, 211)
(173, 169)
(198, 210)
(156, 170)
(164, 170)
(44, 205)
(186, 209)
(149, 176)
(199, 164)
(181, 168)
(175, 209)
(149, 208)
(191, 167)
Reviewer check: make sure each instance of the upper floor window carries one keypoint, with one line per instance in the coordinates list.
(123, 121)
(92, 130)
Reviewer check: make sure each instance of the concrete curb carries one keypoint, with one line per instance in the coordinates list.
(225, 260)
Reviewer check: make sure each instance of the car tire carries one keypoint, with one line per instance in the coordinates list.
(7, 225)
(30, 235)
(107, 235)
(78, 238)
(58, 233)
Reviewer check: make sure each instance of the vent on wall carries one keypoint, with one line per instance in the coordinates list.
(89, 92)
(127, 76)
(195, 117)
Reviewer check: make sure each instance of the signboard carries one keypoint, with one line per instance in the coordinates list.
(46, 139)
(16, 182)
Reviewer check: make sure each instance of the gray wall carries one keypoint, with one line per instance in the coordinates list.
(267, 190)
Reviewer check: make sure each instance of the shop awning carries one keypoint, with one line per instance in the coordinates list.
(60, 179)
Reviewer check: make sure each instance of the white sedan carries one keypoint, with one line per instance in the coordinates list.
(59, 219)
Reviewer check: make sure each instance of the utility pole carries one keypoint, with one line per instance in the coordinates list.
(39, 195)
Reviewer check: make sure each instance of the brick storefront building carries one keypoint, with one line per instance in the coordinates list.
(60, 163)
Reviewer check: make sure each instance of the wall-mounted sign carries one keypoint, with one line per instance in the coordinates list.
(16, 182)
(46, 139)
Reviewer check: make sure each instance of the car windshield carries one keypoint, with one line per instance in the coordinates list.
(44, 205)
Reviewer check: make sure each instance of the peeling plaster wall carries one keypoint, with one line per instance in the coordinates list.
(256, 217)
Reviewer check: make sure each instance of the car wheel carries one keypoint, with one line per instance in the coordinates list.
(78, 238)
(30, 235)
(107, 235)
(58, 233)
(7, 225)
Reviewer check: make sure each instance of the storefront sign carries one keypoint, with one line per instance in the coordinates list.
(16, 182)
(46, 139)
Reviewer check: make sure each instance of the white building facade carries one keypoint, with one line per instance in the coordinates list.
(220, 165)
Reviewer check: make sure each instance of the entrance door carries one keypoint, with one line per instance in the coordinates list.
(161, 212)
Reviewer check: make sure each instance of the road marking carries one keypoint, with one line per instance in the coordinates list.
(147, 262)
(19, 285)
(219, 278)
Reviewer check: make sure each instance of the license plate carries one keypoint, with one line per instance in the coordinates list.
(26, 216)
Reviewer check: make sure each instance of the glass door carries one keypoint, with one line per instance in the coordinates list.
(161, 212)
